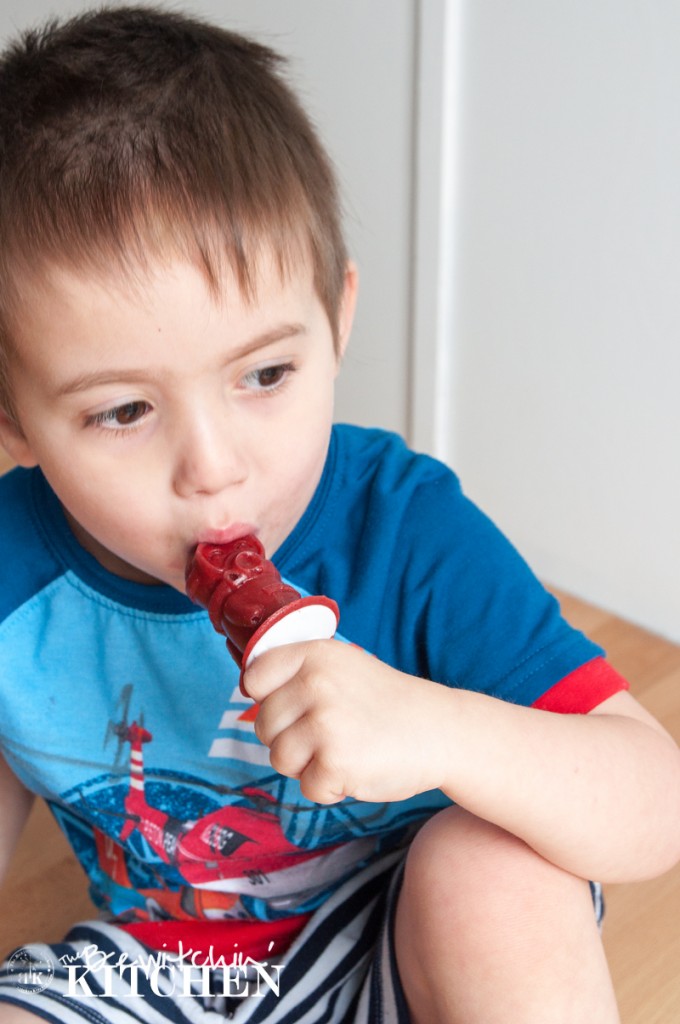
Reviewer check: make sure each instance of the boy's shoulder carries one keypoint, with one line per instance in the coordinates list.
(377, 470)
(27, 563)
(384, 454)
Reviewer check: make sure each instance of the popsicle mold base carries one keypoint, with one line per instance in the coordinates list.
(308, 618)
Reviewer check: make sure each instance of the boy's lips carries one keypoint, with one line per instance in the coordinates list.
(225, 535)
(217, 535)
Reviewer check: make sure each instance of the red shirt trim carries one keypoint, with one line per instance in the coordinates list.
(206, 941)
(583, 689)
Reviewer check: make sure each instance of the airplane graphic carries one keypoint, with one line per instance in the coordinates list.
(237, 850)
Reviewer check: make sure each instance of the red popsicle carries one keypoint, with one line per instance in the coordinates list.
(250, 604)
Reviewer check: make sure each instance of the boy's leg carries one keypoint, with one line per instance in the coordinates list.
(487, 932)
(15, 1015)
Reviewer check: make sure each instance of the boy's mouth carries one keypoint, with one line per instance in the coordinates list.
(224, 535)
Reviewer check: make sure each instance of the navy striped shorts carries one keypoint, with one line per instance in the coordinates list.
(340, 970)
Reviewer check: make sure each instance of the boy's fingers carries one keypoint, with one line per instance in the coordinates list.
(290, 752)
(318, 785)
(271, 670)
(277, 712)
(293, 753)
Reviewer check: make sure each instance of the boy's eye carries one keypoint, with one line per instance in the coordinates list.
(268, 378)
(120, 416)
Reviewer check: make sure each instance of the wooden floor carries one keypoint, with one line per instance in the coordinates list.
(642, 927)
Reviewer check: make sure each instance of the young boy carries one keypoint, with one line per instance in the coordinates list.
(402, 826)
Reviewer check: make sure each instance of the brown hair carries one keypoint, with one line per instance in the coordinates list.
(129, 132)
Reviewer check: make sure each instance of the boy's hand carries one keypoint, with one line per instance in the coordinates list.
(345, 724)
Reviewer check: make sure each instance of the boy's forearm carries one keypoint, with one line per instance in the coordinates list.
(597, 794)
(15, 805)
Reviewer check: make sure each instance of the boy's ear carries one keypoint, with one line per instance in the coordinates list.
(14, 442)
(348, 304)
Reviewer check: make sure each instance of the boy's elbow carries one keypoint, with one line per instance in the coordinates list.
(674, 846)
(653, 845)
(665, 857)
(664, 840)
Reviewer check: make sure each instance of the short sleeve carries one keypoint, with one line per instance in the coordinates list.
(485, 622)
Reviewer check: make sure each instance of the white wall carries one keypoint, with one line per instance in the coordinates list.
(353, 64)
(564, 392)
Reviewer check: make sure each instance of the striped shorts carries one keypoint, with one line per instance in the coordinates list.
(340, 970)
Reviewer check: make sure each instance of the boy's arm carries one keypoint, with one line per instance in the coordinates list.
(15, 804)
(597, 794)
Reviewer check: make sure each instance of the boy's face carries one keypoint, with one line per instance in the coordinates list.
(162, 417)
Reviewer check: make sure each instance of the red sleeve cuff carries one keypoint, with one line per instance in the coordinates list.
(583, 689)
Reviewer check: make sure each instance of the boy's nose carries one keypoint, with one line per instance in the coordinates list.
(207, 461)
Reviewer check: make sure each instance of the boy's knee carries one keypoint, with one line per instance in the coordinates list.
(10, 1014)
(476, 904)
(459, 864)
(455, 846)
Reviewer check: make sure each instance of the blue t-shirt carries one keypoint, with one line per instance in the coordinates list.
(120, 705)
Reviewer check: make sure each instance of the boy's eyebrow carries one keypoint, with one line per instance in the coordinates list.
(279, 333)
(88, 380)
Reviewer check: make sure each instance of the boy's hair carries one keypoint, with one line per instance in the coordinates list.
(132, 132)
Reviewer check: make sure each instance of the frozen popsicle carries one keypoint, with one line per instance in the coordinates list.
(250, 604)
